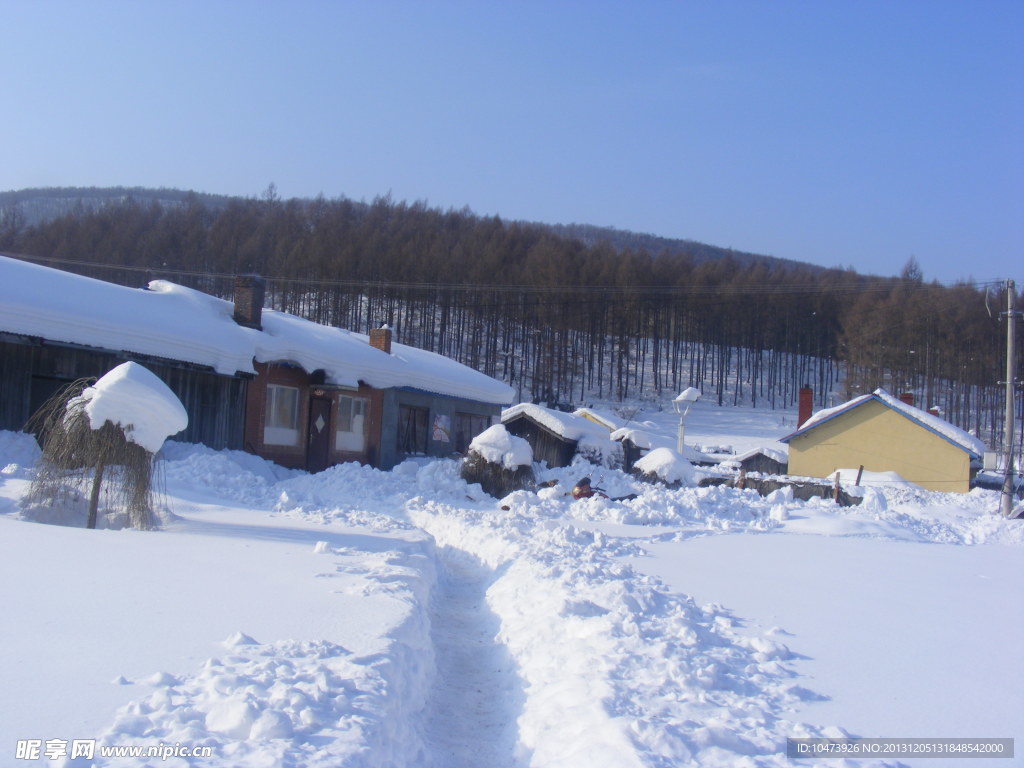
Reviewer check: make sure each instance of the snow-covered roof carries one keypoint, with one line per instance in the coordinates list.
(170, 321)
(934, 424)
(736, 461)
(771, 453)
(639, 437)
(600, 418)
(566, 425)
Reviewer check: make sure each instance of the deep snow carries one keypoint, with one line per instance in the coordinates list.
(362, 618)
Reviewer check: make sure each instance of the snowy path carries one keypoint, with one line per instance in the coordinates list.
(477, 696)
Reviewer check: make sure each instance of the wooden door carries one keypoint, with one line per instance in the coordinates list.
(319, 445)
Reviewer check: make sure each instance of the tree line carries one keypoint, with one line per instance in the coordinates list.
(563, 320)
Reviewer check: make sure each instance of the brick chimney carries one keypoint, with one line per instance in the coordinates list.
(907, 397)
(806, 405)
(249, 292)
(380, 338)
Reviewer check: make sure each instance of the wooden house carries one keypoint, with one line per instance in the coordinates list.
(885, 434)
(298, 393)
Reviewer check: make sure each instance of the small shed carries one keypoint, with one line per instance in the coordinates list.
(885, 434)
(556, 437)
(635, 443)
(765, 461)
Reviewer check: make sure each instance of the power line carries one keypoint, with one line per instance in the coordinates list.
(866, 285)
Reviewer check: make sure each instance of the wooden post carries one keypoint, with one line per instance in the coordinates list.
(860, 474)
(835, 490)
(1006, 499)
(94, 495)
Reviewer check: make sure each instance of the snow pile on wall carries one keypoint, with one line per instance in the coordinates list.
(497, 446)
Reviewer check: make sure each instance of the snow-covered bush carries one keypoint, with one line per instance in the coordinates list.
(499, 461)
(663, 465)
(98, 443)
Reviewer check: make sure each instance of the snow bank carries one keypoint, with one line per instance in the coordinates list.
(618, 671)
(136, 400)
(310, 702)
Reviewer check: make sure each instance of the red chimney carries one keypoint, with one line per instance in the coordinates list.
(908, 398)
(249, 292)
(806, 406)
(380, 338)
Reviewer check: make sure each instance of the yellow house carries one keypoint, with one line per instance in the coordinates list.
(885, 434)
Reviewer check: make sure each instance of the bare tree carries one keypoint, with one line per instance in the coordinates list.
(80, 466)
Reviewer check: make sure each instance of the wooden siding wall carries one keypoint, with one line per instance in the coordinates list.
(546, 446)
(31, 369)
(764, 464)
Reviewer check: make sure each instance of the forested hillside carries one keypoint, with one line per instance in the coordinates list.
(561, 319)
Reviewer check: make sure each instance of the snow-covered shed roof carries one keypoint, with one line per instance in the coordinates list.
(639, 437)
(568, 426)
(170, 321)
(599, 418)
(934, 424)
(770, 453)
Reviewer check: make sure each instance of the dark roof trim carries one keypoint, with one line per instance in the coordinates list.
(124, 354)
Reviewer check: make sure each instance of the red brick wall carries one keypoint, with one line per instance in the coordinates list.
(295, 456)
(255, 416)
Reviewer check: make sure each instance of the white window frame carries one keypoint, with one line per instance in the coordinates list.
(352, 413)
(281, 423)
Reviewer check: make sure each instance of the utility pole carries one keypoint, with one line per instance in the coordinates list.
(1006, 500)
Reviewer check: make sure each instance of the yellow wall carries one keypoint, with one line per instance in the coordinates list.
(882, 440)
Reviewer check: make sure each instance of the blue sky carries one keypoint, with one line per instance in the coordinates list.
(841, 133)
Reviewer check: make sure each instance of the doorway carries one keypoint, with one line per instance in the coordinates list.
(319, 446)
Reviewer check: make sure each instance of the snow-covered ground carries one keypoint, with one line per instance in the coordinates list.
(362, 618)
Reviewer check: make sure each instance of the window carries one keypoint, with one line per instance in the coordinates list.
(412, 430)
(281, 426)
(468, 426)
(351, 434)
